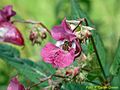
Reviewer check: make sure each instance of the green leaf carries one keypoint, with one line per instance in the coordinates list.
(73, 86)
(115, 67)
(31, 70)
(92, 75)
(78, 13)
(116, 82)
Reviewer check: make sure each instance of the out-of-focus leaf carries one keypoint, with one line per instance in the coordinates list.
(93, 74)
(73, 86)
(31, 70)
(116, 82)
(78, 13)
(115, 67)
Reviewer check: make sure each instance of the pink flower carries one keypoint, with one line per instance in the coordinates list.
(63, 32)
(56, 56)
(15, 85)
(8, 31)
(62, 55)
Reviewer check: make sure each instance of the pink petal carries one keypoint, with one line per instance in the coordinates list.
(47, 52)
(15, 85)
(65, 25)
(58, 33)
(63, 58)
(9, 33)
(62, 32)
(56, 56)
(6, 13)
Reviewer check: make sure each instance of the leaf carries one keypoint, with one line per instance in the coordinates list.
(78, 13)
(73, 86)
(92, 75)
(115, 67)
(116, 82)
(28, 68)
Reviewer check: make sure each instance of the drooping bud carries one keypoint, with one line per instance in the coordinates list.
(72, 72)
(37, 35)
(69, 72)
(33, 37)
(76, 71)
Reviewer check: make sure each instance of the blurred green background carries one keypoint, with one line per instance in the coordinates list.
(105, 14)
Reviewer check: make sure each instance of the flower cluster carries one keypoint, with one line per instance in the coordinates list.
(8, 31)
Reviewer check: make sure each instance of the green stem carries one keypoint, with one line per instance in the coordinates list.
(44, 79)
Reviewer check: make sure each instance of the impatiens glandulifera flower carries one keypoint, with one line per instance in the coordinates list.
(8, 31)
(56, 56)
(62, 55)
(15, 85)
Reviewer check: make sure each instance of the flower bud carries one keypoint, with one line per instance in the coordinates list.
(43, 35)
(76, 71)
(69, 72)
(33, 36)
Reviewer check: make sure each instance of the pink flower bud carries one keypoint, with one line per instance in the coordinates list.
(76, 71)
(69, 72)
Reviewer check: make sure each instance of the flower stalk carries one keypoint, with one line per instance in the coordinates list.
(33, 22)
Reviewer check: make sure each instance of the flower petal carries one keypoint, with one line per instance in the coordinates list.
(9, 33)
(58, 33)
(63, 32)
(6, 13)
(56, 56)
(65, 25)
(47, 52)
(15, 85)
(63, 59)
